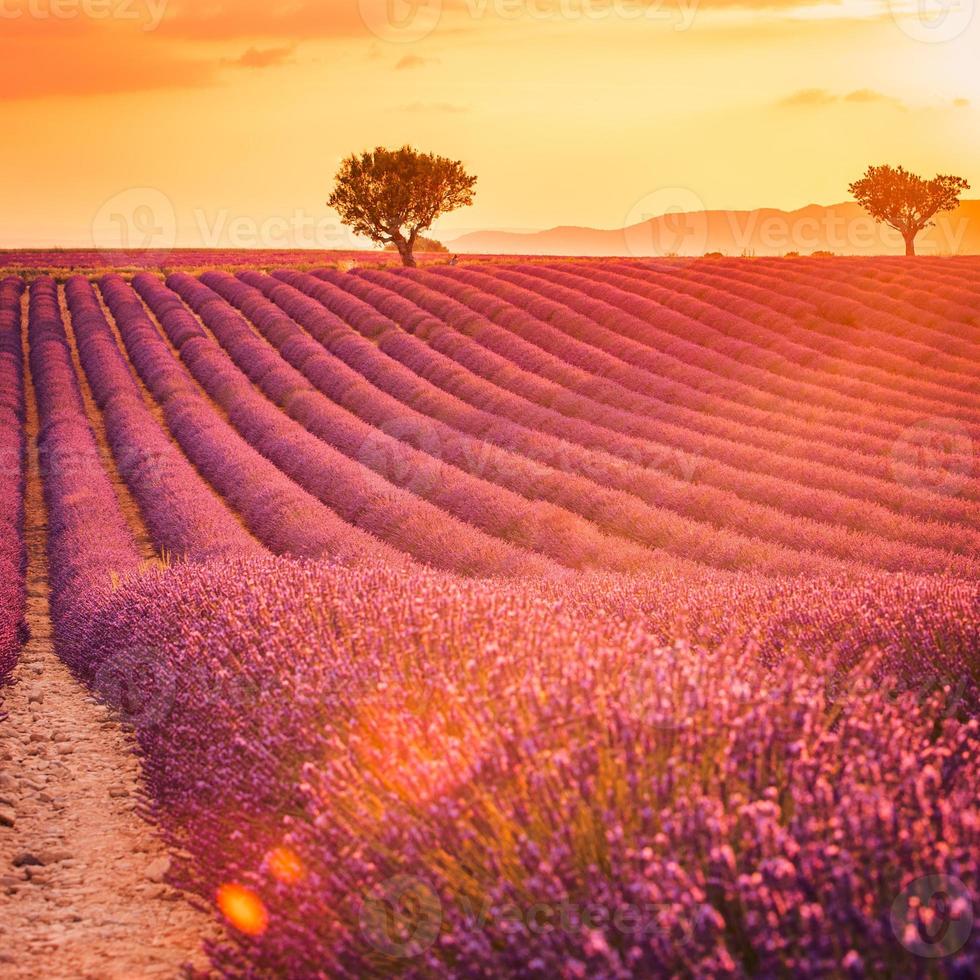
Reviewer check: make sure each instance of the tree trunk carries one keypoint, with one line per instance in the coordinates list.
(406, 251)
(910, 243)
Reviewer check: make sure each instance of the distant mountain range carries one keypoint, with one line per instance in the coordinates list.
(844, 229)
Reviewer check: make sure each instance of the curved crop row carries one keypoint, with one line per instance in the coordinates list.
(590, 493)
(715, 380)
(281, 515)
(13, 555)
(894, 350)
(307, 436)
(89, 543)
(185, 518)
(840, 311)
(518, 390)
(635, 455)
(788, 472)
(532, 344)
(942, 308)
(457, 323)
(386, 366)
(956, 288)
(586, 342)
(754, 332)
(930, 309)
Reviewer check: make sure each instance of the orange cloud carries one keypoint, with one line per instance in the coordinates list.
(412, 61)
(265, 57)
(869, 95)
(99, 64)
(808, 97)
(230, 19)
(815, 98)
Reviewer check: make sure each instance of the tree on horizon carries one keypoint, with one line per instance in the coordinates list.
(392, 196)
(905, 201)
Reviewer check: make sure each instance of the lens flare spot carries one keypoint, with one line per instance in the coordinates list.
(285, 865)
(243, 909)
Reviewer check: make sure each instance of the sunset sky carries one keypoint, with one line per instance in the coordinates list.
(224, 121)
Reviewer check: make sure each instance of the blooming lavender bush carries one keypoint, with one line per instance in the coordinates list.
(12, 554)
(372, 767)
(554, 779)
(280, 514)
(185, 517)
(827, 464)
(786, 479)
(718, 506)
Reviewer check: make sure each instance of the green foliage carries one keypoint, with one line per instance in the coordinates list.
(906, 201)
(392, 196)
(423, 244)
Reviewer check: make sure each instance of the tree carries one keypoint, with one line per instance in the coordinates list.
(392, 196)
(906, 201)
(423, 244)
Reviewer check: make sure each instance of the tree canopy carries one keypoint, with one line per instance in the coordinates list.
(392, 196)
(423, 244)
(906, 201)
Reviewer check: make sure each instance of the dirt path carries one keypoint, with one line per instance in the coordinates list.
(81, 894)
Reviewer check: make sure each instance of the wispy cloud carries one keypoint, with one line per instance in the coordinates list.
(265, 57)
(866, 95)
(224, 20)
(412, 61)
(817, 98)
(808, 97)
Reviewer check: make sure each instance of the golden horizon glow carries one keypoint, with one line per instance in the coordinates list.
(234, 117)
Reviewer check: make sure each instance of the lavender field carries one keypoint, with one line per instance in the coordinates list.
(598, 619)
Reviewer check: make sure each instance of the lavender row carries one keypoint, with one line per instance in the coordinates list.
(714, 381)
(281, 515)
(939, 305)
(90, 545)
(746, 537)
(841, 308)
(951, 323)
(466, 312)
(782, 475)
(185, 518)
(321, 454)
(857, 349)
(13, 556)
(604, 354)
(598, 486)
(877, 380)
(644, 476)
(945, 330)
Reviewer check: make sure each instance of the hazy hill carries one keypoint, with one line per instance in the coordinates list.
(842, 228)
